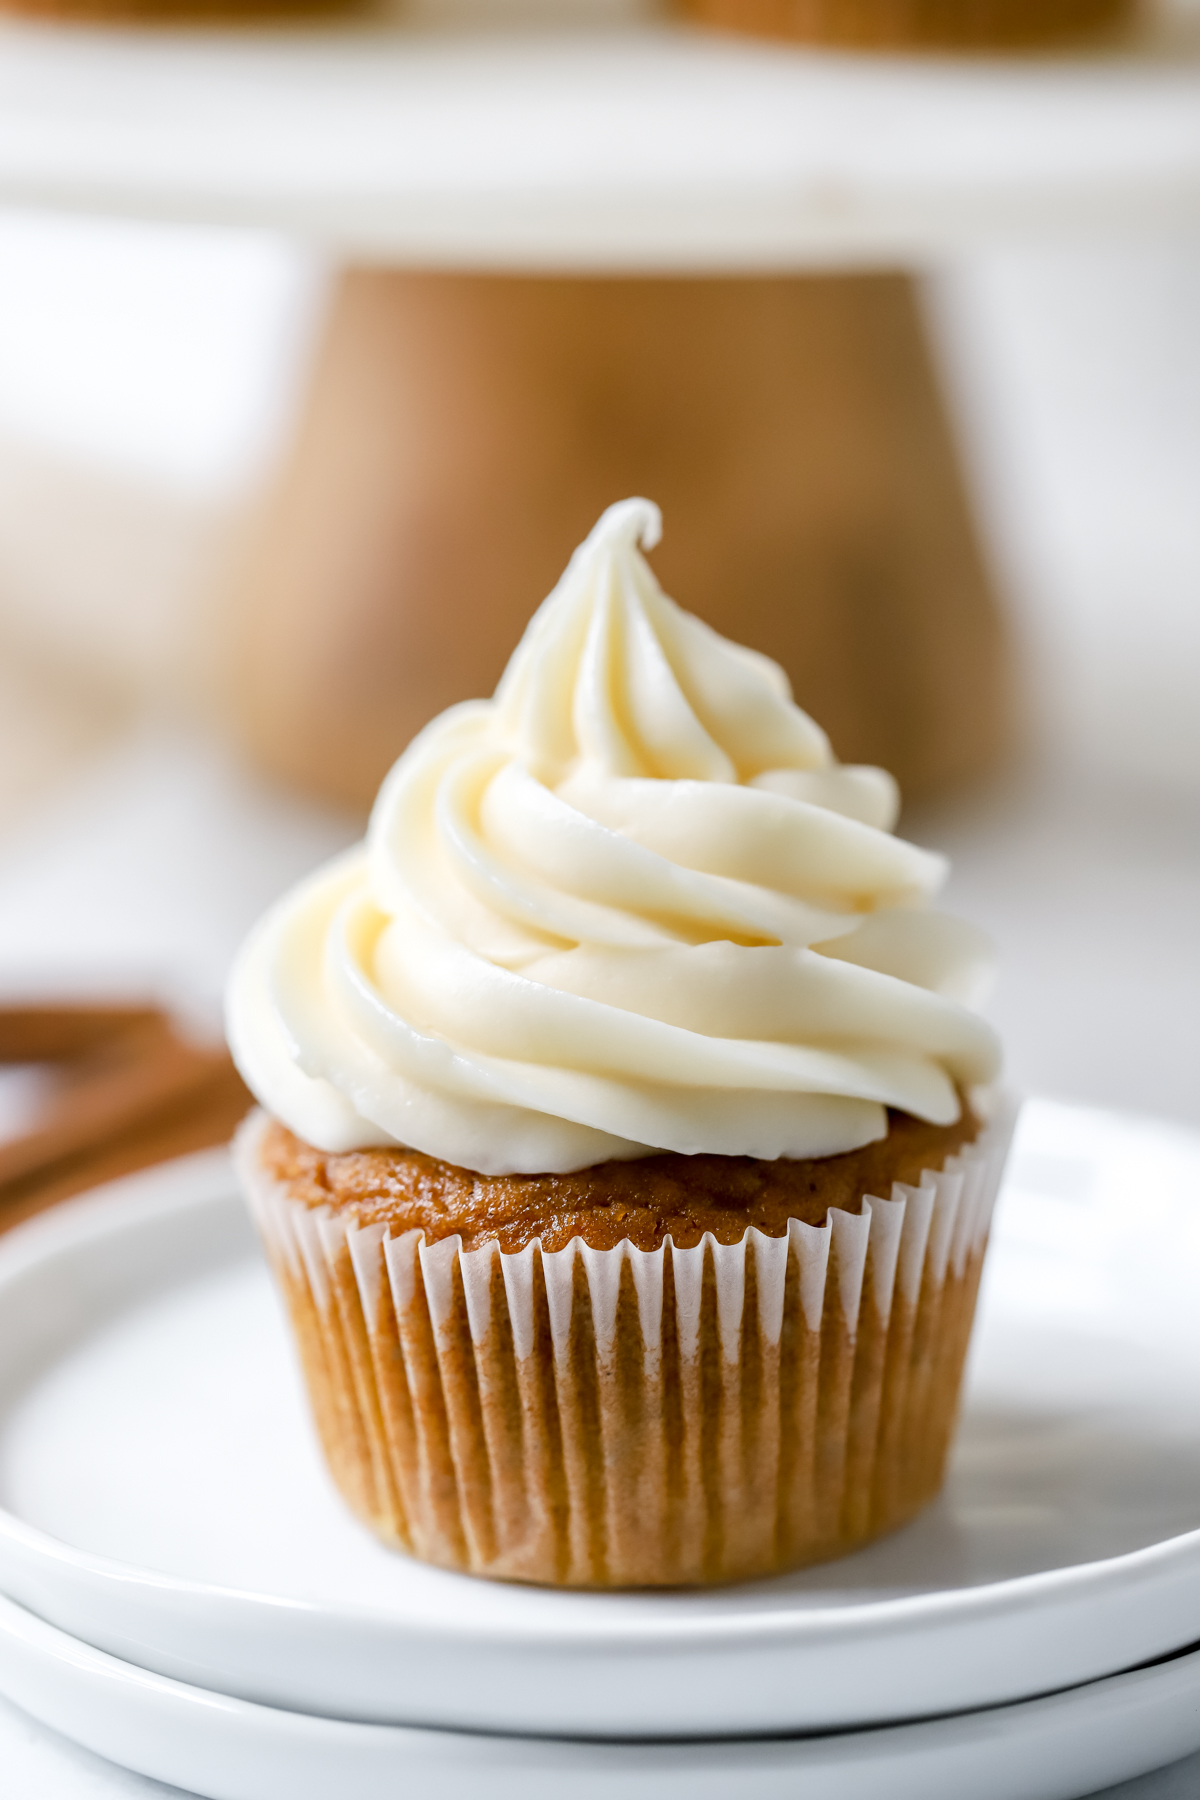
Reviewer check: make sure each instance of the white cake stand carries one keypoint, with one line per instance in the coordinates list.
(828, 522)
(604, 143)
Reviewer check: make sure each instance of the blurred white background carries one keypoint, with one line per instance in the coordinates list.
(148, 378)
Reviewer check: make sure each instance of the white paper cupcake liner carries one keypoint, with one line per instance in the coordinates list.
(627, 1417)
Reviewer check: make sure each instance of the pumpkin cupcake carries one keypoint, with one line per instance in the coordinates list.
(625, 1158)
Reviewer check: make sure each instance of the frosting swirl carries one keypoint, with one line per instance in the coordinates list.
(631, 903)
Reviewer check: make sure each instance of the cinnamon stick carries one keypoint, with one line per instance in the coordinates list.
(134, 1093)
(33, 1034)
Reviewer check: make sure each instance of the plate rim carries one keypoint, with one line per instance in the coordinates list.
(202, 1184)
(50, 1643)
(149, 1194)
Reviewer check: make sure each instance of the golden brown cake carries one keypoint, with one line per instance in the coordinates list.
(624, 1161)
(931, 24)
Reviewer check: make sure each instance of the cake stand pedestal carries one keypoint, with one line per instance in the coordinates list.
(463, 433)
(595, 257)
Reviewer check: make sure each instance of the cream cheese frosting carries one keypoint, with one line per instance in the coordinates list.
(631, 903)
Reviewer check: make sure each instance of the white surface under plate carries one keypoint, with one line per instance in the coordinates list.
(165, 1501)
(1050, 1749)
(600, 143)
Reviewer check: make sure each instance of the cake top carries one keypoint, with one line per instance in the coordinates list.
(631, 903)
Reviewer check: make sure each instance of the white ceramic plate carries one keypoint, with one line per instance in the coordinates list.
(1050, 1749)
(591, 140)
(166, 1502)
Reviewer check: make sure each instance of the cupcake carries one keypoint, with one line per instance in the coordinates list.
(167, 12)
(626, 1156)
(928, 24)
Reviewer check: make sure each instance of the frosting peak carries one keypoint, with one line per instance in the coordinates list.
(614, 677)
(630, 903)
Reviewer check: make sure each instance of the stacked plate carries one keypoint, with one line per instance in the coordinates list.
(186, 1595)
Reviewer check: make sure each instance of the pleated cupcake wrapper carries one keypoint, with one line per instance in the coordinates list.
(627, 1417)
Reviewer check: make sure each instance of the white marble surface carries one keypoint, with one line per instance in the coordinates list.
(1089, 883)
(144, 872)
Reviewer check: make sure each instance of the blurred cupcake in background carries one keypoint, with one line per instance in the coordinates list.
(166, 12)
(918, 24)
